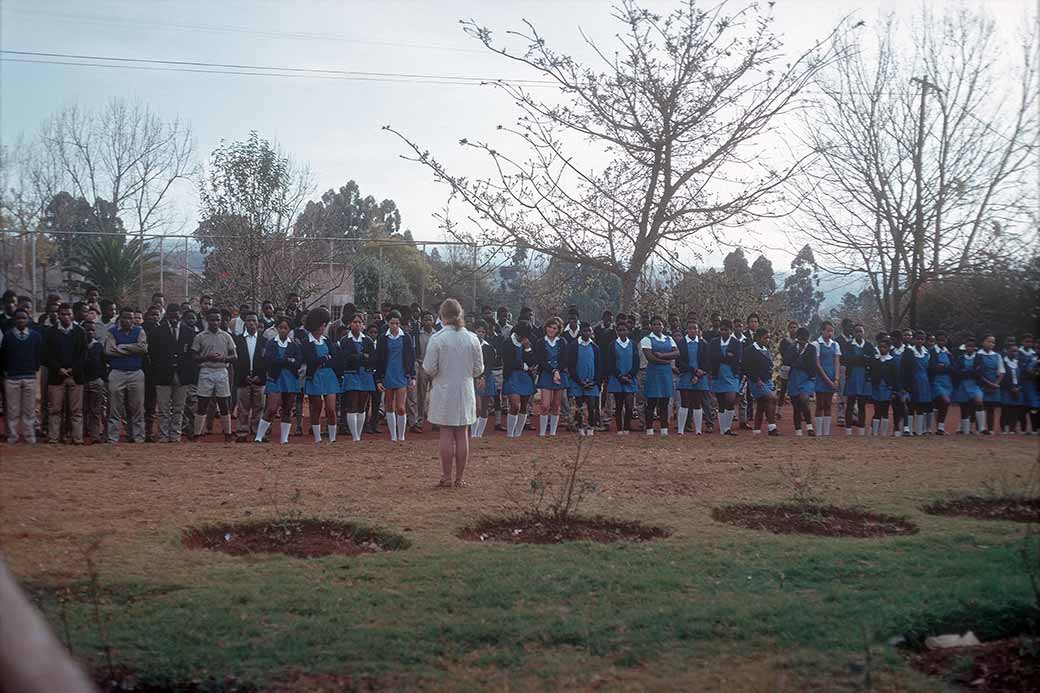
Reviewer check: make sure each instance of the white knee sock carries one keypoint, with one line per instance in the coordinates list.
(352, 425)
(511, 425)
(521, 421)
(391, 424)
(884, 427)
(332, 432)
(818, 420)
(481, 426)
(543, 423)
(919, 424)
(680, 419)
(261, 429)
(225, 423)
(698, 420)
(980, 420)
(402, 426)
(826, 425)
(284, 430)
(554, 421)
(361, 424)
(875, 426)
(316, 430)
(200, 424)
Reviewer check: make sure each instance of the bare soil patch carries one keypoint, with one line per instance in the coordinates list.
(1009, 508)
(820, 520)
(126, 680)
(1011, 664)
(305, 538)
(528, 529)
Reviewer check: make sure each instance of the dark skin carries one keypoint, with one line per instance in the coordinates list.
(282, 400)
(622, 333)
(252, 325)
(659, 357)
(213, 325)
(764, 405)
(65, 320)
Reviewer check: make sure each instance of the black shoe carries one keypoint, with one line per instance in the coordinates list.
(774, 432)
(500, 427)
(987, 432)
(940, 433)
(811, 433)
(730, 432)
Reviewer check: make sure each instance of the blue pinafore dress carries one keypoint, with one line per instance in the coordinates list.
(286, 380)
(990, 367)
(754, 389)
(519, 381)
(622, 364)
(856, 382)
(324, 382)
(395, 377)
(490, 389)
(586, 370)
(726, 380)
(360, 380)
(883, 390)
(826, 353)
(1012, 380)
(968, 387)
(1027, 365)
(800, 381)
(658, 381)
(693, 351)
(920, 387)
(942, 382)
(545, 378)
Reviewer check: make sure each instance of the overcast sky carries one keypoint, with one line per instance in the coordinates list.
(333, 124)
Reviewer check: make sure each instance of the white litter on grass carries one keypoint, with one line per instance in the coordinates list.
(942, 642)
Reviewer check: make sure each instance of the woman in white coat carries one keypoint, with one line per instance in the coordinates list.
(453, 359)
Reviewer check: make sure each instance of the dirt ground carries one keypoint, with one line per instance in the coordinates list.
(139, 498)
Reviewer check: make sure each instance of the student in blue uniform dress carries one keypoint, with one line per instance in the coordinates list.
(395, 374)
(967, 369)
(802, 383)
(757, 366)
(913, 369)
(724, 354)
(1028, 360)
(321, 384)
(1012, 399)
(940, 370)
(660, 350)
(828, 357)
(357, 353)
(621, 369)
(552, 376)
(693, 377)
(282, 358)
(883, 371)
(518, 360)
(484, 387)
(856, 354)
(991, 373)
(786, 345)
(583, 369)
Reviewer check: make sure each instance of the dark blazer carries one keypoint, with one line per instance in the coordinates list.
(610, 361)
(887, 371)
(273, 365)
(848, 359)
(570, 360)
(52, 351)
(786, 344)
(936, 368)
(351, 359)
(509, 361)
(382, 354)
(961, 368)
(490, 354)
(310, 356)
(757, 365)
(908, 367)
(732, 358)
(806, 362)
(243, 368)
(683, 362)
(167, 355)
(541, 355)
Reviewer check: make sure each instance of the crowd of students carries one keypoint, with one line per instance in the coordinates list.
(167, 372)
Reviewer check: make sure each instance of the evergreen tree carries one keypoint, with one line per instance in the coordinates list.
(801, 291)
(763, 279)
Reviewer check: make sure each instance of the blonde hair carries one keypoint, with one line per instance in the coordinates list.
(451, 313)
(556, 322)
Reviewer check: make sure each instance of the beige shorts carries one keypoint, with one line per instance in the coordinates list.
(213, 382)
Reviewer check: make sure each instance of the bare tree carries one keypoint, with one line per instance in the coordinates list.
(677, 113)
(928, 156)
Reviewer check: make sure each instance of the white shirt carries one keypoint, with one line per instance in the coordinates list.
(646, 344)
(250, 345)
(1000, 361)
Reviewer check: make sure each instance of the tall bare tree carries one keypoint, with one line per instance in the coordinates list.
(927, 141)
(657, 143)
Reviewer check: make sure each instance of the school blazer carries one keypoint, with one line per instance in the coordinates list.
(887, 371)
(541, 355)
(807, 361)
(610, 362)
(907, 366)
(786, 351)
(351, 359)
(683, 362)
(383, 353)
(510, 362)
(732, 358)
(935, 368)
(273, 366)
(571, 361)
(756, 365)
(243, 368)
(310, 356)
(168, 355)
(490, 355)
(51, 348)
(962, 370)
(848, 359)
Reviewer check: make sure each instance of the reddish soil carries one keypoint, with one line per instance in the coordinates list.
(299, 538)
(1002, 665)
(1008, 508)
(821, 520)
(126, 680)
(525, 529)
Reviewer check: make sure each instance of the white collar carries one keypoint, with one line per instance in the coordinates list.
(940, 350)
(764, 350)
(1010, 361)
(584, 342)
(825, 342)
(286, 343)
(250, 336)
(622, 342)
(320, 340)
(360, 338)
(551, 342)
(66, 330)
(861, 343)
(885, 357)
(922, 351)
(725, 342)
(971, 355)
(400, 333)
(573, 333)
(516, 342)
(1027, 352)
(985, 352)
(692, 340)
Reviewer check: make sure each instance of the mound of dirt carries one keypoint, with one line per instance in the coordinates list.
(529, 529)
(1012, 664)
(821, 520)
(304, 538)
(1009, 508)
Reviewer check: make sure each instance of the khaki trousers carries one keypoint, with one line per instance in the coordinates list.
(250, 406)
(57, 397)
(169, 405)
(131, 385)
(20, 394)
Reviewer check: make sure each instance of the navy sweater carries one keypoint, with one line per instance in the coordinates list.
(21, 358)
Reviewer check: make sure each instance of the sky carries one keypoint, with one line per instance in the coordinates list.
(333, 124)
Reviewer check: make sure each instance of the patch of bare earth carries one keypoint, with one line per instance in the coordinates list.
(306, 538)
(529, 529)
(820, 520)
(1012, 664)
(1012, 509)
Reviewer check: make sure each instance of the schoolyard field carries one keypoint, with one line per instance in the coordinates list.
(100, 537)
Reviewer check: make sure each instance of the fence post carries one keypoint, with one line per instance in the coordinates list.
(162, 268)
(35, 233)
(186, 295)
(473, 310)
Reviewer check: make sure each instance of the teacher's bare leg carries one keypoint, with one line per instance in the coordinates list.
(447, 451)
(461, 452)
